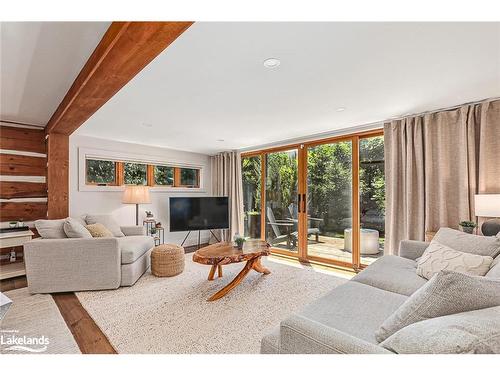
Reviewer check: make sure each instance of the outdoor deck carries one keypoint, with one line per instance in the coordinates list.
(332, 248)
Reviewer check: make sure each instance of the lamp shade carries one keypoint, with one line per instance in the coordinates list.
(136, 194)
(487, 205)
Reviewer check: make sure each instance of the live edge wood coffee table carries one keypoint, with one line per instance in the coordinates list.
(222, 253)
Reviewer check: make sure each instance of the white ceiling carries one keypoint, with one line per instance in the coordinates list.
(211, 84)
(39, 62)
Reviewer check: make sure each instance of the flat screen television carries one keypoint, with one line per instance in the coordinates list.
(198, 213)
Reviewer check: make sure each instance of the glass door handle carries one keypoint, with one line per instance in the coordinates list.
(298, 205)
(304, 201)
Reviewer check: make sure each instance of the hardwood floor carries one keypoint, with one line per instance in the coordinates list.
(13, 283)
(88, 336)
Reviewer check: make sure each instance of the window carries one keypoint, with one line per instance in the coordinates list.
(118, 173)
(188, 177)
(100, 172)
(135, 174)
(163, 175)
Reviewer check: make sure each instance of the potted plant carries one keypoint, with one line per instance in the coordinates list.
(467, 226)
(12, 224)
(20, 222)
(153, 231)
(239, 240)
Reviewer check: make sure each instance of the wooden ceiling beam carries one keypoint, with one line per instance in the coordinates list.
(125, 49)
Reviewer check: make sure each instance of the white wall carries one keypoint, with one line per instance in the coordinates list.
(84, 202)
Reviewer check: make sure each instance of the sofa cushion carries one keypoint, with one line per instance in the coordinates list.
(392, 273)
(74, 229)
(494, 272)
(468, 243)
(108, 221)
(446, 293)
(476, 331)
(50, 229)
(354, 308)
(438, 257)
(133, 247)
(300, 335)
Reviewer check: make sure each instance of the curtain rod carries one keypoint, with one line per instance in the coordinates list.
(357, 128)
(445, 109)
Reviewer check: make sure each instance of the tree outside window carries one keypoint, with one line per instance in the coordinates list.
(163, 175)
(100, 172)
(135, 174)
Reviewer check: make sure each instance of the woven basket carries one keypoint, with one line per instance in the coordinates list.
(167, 260)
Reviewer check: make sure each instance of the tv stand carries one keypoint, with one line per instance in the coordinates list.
(211, 232)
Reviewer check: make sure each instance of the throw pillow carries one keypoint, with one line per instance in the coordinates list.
(438, 257)
(74, 229)
(107, 221)
(468, 243)
(98, 230)
(50, 229)
(476, 331)
(446, 293)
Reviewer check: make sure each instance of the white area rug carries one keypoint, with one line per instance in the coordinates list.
(35, 316)
(171, 315)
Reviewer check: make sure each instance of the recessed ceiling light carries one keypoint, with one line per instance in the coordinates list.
(271, 63)
(220, 140)
(147, 125)
(340, 109)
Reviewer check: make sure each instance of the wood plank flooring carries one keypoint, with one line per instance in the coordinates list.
(88, 336)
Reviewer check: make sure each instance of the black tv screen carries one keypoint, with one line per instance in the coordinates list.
(200, 213)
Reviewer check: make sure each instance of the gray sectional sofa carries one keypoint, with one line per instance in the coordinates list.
(77, 264)
(346, 319)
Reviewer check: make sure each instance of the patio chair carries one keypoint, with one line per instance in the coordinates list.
(293, 209)
(276, 225)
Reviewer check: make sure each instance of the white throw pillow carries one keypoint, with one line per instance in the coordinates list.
(50, 229)
(438, 257)
(446, 293)
(476, 331)
(107, 221)
(74, 229)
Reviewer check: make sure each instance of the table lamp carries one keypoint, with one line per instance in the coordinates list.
(136, 194)
(488, 205)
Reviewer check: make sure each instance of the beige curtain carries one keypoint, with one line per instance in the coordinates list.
(435, 164)
(227, 181)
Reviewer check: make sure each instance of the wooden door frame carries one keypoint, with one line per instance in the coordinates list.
(302, 148)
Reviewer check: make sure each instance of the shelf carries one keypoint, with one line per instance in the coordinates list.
(10, 270)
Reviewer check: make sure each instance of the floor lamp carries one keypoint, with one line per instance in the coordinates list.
(136, 194)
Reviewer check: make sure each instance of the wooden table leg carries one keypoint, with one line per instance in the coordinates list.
(212, 272)
(221, 293)
(219, 270)
(257, 266)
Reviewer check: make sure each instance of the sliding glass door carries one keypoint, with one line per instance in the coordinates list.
(329, 201)
(321, 201)
(371, 198)
(251, 171)
(281, 197)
